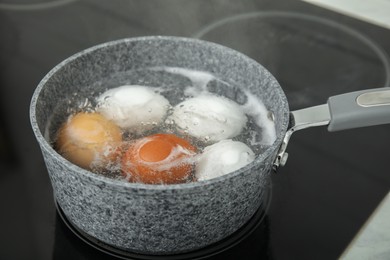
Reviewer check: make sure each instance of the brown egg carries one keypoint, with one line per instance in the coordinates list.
(89, 140)
(159, 159)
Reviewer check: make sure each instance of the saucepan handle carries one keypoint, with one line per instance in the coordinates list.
(351, 110)
(359, 109)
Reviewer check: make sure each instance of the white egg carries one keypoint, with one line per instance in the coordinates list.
(210, 117)
(133, 106)
(221, 158)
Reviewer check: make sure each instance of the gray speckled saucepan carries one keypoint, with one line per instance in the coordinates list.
(169, 219)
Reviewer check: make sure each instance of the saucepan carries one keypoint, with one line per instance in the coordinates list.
(160, 219)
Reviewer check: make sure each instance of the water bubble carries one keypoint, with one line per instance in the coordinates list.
(169, 121)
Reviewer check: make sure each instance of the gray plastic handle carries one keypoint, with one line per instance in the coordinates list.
(360, 108)
(350, 110)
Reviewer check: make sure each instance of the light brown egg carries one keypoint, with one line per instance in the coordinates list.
(89, 140)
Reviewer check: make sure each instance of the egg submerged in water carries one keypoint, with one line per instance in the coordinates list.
(159, 159)
(133, 107)
(209, 117)
(89, 140)
(222, 158)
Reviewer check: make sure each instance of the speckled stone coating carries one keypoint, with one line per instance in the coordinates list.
(156, 219)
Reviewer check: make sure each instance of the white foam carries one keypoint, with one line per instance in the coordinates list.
(199, 79)
(255, 108)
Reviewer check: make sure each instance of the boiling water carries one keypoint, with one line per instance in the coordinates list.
(176, 85)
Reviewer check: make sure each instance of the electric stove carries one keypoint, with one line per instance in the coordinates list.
(319, 201)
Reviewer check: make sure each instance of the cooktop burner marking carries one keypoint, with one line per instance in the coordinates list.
(34, 6)
(281, 14)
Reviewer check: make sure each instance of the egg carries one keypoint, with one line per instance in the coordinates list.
(221, 158)
(89, 140)
(133, 107)
(159, 159)
(209, 117)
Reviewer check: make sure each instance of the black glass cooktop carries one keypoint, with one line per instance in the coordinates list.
(320, 199)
